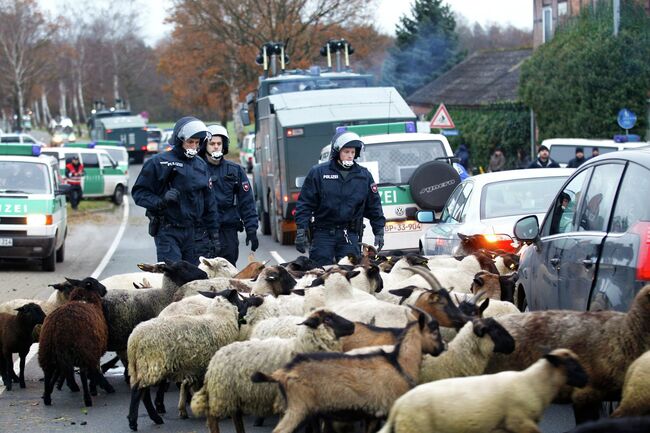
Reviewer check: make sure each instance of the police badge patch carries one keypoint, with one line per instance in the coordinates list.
(246, 186)
(373, 188)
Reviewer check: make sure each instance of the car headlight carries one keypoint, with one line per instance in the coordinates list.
(39, 220)
(72, 137)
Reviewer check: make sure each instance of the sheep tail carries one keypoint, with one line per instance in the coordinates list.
(259, 377)
(200, 401)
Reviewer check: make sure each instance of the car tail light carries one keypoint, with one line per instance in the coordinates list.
(108, 131)
(143, 148)
(498, 242)
(295, 132)
(642, 228)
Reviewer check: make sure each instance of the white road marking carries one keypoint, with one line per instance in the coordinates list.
(100, 268)
(277, 257)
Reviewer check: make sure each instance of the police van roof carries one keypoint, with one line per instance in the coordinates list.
(41, 159)
(118, 122)
(362, 103)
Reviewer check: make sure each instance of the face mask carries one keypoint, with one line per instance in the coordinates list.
(190, 153)
(217, 155)
(347, 164)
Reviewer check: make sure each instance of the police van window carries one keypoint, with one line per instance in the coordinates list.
(599, 199)
(563, 153)
(117, 154)
(106, 160)
(28, 140)
(89, 160)
(24, 177)
(398, 160)
(633, 201)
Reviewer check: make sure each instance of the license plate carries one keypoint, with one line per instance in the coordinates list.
(6, 242)
(402, 226)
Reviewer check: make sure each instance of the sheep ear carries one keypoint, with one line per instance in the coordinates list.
(74, 282)
(205, 261)
(318, 281)
(478, 281)
(463, 237)
(484, 306)
(20, 309)
(351, 274)
(210, 295)
(404, 292)
(299, 292)
(312, 322)
(254, 301)
(553, 359)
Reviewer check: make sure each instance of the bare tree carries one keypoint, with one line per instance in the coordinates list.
(24, 39)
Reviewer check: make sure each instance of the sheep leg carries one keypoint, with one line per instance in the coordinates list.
(151, 410)
(50, 379)
(238, 421)
(182, 400)
(160, 396)
(92, 384)
(291, 420)
(69, 380)
(110, 364)
(136, 396)
(259, 421)
(213, 424)
(102, 382)
(521, 425)
(88, 401)
(6, 374)
(21, 373)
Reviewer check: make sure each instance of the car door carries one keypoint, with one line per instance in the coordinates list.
(93, 180)
(542, 272)
(578, 263)
(110, 172)
(622, 268)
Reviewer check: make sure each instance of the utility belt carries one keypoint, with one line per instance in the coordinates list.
(239, 225)
(156, 222)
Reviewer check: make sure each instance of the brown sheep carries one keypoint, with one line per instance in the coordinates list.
(65, 345)
(333, 384)
(16, 337)
(500, 287)
(606, 341)
(252, 270)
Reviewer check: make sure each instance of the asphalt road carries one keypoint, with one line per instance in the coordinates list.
(91, 236)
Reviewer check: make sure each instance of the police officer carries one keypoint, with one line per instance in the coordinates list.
(175, 189)
(338, 194)
(233, 195)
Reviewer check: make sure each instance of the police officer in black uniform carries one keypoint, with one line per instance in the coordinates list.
(175, 189)
(233, 195)
(337, 195)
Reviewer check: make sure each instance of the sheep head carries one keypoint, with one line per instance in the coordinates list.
(440, 305)
(31, 313)
(430, 336)
(90, 284)
(179, 272)
(278, 279)
(339, 325)
(503, 341)
(568, 361)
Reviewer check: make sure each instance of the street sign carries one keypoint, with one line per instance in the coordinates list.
(626, 119)
(449, 132)
(442, 119)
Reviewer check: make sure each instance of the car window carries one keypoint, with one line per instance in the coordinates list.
(398, 160)
(24, 177)
(599, 199)
(455, 211)
(90, 160)
(563, 214)
(28, 140)
(633, 201)
(518, 196)
(451, 203)
(106, 160)
(563, 153)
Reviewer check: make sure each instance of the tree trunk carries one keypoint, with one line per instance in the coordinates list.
(80, 98)
(37, 114)
(20, 99)
(47, 116)
(63, 111)
(235, 106)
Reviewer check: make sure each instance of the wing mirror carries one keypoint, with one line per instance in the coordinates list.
(425, 216)
(527, 229)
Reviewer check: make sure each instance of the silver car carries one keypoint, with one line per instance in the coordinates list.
(490, 204)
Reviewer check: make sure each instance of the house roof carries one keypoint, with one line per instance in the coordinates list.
(486, 77)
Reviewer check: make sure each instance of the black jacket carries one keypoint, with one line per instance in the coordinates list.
(538, 163)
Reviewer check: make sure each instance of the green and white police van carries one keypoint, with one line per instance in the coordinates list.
(411, 174)
(33, 218)
(103, 176)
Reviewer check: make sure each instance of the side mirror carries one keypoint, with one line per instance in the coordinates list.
(527, 229)
(425, 216)
(300, 181)
(244, 115)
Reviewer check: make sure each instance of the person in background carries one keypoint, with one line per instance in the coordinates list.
(523, 160)
(337, 195)
(579, 159)
(595, 152)
(543, 159)
(74, 171)
(497, 161)
(462, 153)
(175, 189)
(233, 195)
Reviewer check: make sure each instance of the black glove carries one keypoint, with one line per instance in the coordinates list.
(301, 241)
(216, 244)
(251, 237)
(379, 241)
(172, 195)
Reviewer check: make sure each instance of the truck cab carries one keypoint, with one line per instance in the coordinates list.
(33, 215)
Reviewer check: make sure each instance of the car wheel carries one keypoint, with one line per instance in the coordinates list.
(60, 253)
(118, 195)
(49, 262)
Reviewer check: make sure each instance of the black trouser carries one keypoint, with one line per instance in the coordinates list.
(328, 246)
(229, 244)
(75, 194)
(180, 243)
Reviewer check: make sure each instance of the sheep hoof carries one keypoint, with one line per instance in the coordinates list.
(160, 408)
(259, 421)
(182, 415)
(88, 402)
(158, 420)
(109, 388)
(47, 401)
(22, 384)
(133, 423)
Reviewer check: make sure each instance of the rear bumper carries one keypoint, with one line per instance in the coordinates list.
(27, 247)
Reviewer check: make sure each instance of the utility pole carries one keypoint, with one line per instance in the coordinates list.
(617, 16)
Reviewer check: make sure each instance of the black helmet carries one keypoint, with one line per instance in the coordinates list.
(346, 139)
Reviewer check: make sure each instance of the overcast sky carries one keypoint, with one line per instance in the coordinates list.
(519, 13)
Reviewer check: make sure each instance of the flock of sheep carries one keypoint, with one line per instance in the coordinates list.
(420, 344)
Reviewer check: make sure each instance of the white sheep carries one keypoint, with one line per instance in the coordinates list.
(228, 390)
(191, 306)
(636, 389)
(509, 401)
(283, 305)
(468, 353)
(56, 299)
(127, 281)
(179, 349)
(283, 327)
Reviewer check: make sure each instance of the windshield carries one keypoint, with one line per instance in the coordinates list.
(519, 196)
(24, 177)
(315, 83)
(117, 154)
(563, 153)
(398, 160)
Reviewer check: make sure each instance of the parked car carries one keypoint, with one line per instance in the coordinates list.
(563, 150)
(154, 136)
(490, 204)
(164, 140)
(19, 138)
(247, 153)
(591, 251)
